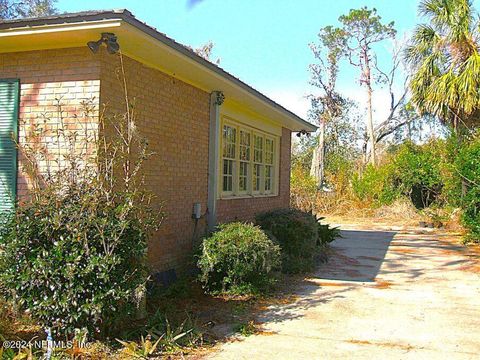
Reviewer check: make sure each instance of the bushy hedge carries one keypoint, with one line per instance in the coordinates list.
(73, 253)
(410, 170)
(75, 260)
(297, 234)
(239, 258)
(468, 167)
(375, 185)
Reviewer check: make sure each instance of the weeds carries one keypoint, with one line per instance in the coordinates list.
(246, 329)
(144, 349)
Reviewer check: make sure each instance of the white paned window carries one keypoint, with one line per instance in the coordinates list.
(249, 162)
(269, 151)
(229, 156)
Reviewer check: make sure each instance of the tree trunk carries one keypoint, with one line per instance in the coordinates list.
(317, 170)
(371, 133)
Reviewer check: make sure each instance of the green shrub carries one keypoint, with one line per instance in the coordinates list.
(468, 167)
(297, 234)
(376, 185)
(74, 253)
(326, 234)
(238, 259)
(417, 172)
(411, 170)
(75, 261)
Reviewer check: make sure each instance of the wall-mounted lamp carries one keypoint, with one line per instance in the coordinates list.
(303, 132)
(108, 39)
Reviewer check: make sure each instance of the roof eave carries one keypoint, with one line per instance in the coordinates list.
(292, 121)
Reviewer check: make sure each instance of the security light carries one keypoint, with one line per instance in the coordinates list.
(109, 39)
(303, 132)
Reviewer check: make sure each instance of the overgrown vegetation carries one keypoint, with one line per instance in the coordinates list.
(409, 170)
(468, 166)
(238, 259)
(422, 156)
(73, 254)
(301, 237)
(296, 232)
(437, 178)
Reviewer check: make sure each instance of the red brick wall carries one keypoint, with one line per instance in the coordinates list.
(245, 209)
(49, 78)
(174, 117)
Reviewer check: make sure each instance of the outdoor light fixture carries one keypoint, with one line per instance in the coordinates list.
(303, 132)
(108, 39)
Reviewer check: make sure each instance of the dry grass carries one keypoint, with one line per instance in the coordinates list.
(14, 325)
(400, 213)
(402, 209)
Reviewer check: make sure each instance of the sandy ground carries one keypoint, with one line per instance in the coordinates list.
(387, 293)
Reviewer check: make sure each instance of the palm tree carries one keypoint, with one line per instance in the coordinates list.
(444, 54)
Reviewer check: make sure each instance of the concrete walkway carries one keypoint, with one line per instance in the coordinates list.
(383, 295)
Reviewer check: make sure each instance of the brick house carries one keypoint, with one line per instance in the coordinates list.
(219, 142)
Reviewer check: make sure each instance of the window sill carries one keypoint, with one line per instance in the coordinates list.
(233, 197)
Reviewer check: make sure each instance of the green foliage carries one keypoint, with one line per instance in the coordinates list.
(375, 185)
(238, 259)
(12, 9)
(75, 261)
(74, 253)
(326, 234)
(417, 172)
(468, 165)
(162, 337)
(410, 170)
(444, 54)
(365, 25)
(246, 329)
(297, 233)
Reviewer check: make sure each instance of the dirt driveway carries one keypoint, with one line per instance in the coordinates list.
(383, 295)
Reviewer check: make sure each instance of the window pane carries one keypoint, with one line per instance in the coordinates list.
(244, 145)
(227, 175)
(244, 138)
(268, 178)
(258, 148)
(269, 151)
(243, 176)
(229, 138)
(257, 171)
(225, 183)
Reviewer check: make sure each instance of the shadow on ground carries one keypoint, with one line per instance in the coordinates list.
(355, 258)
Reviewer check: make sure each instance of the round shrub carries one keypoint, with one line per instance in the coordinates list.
(239, 259)
(75, 259)
(297, 234)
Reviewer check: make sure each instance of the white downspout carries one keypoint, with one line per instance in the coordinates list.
(216, 100)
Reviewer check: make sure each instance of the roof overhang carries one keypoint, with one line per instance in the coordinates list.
(145, 44)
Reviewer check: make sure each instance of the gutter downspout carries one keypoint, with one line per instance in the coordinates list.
(216, 100)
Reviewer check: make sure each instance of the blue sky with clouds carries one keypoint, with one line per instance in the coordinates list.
(264, 42)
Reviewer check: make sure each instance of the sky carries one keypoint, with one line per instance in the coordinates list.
(264, 42)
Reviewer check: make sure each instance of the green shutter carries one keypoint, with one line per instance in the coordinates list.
(9, 99)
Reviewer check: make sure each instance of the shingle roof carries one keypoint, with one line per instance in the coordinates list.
(128, 17)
